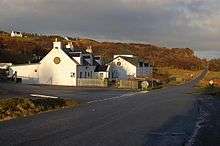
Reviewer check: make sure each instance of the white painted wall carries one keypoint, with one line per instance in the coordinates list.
(48, 72)
(29, 73)
(63, 73)
(123, 71)
(103, 75)
(78, 59)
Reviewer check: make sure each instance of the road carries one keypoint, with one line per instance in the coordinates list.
(160, 117)
(82, 94)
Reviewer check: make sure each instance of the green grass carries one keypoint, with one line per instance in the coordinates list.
(21, 107)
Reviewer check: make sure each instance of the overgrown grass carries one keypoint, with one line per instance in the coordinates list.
(21, 107)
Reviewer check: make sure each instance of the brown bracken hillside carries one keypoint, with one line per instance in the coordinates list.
(214, 65)
(33, 47)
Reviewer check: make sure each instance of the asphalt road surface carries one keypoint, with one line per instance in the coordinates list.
(79, 93)
(160, 117)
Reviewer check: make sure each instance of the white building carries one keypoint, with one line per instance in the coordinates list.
(102, 72)
(5, 65)
(61, 66)
(68, 65)
(16, 34)
(128, 66)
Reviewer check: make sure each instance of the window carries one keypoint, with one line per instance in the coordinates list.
(91, 74)
(85, 74)
(72, 74)
(118, 63)
(146, 64)
(56, 60)
(101, 75)
(141, 64)
(80, 75)
(88, 74)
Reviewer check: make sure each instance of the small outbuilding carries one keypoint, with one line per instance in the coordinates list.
(16, 34)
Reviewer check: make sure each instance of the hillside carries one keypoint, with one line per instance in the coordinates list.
(214, 65)
(34, 47)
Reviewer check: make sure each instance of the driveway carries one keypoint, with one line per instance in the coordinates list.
(160, 117)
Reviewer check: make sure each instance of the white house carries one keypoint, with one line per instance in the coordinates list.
(16, 34)
(128, 66)
(102, 72)
(61, 66)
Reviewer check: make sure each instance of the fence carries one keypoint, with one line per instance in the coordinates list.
(92, 82)
(129, 84)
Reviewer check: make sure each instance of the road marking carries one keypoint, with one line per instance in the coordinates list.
(117, 97)
(44, 96)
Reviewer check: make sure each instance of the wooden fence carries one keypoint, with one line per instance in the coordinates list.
(129, 84)
(92, 82)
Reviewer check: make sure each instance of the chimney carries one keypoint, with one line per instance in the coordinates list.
(89, 49)
(57, 45)
(70, 46)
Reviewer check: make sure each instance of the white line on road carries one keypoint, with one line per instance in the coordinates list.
(117, 97)
(44, 96)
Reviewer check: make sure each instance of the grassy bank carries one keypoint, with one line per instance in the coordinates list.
(205, 88)
(22, 107)
(174, 76)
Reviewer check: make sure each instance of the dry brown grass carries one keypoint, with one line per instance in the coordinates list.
(177, 76)
(21, 107)
(215, 76)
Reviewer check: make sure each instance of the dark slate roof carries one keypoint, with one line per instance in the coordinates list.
(68, 50)
(85, 63)
(133, 60)
(101, 68)
(80, 50)
(76, 53)
(86, 57)
(71, 54)
(95, 63)
(97, 57)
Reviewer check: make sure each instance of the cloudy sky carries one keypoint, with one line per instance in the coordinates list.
(171, 23)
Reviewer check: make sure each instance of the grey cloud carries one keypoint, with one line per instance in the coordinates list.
(173, 23)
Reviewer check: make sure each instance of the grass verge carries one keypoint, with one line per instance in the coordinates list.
(21, 107)
(172, 76)
(205, 88)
